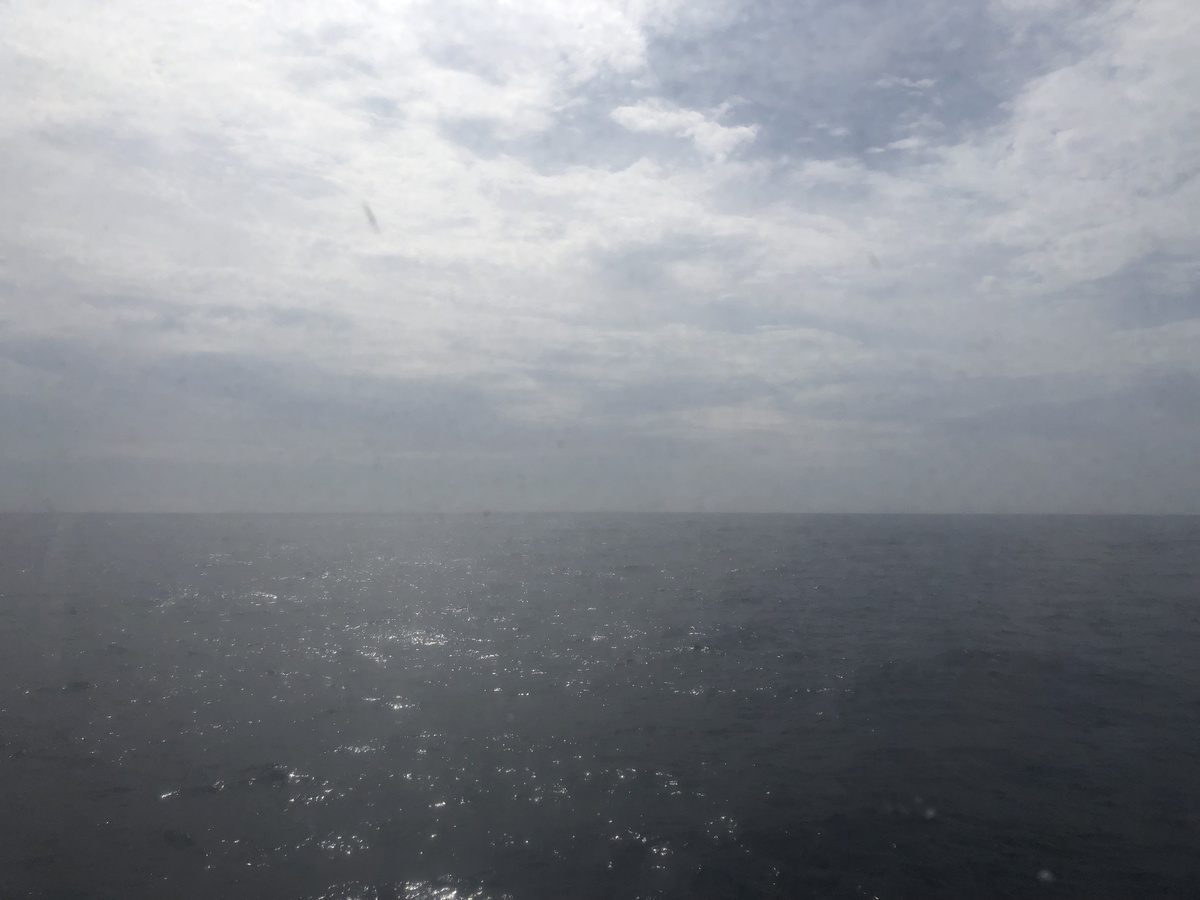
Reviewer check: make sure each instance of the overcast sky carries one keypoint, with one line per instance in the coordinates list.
(899, 255)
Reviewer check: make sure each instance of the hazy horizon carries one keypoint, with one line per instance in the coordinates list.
(70, 514)
(614, 255)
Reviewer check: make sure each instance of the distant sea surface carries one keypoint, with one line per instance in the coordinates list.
(599, 706)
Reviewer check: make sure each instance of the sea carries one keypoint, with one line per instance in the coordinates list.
(468, 707)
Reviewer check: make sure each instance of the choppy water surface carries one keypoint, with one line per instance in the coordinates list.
(599, 706)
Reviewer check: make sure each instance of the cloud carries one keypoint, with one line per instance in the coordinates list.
(733, 242)
(912, 84)
(710, 137)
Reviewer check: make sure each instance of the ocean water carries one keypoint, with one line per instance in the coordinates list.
(599, 706)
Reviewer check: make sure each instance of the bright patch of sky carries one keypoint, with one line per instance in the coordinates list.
(605, 254)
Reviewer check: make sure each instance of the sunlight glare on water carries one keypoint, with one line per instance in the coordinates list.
(434, 707)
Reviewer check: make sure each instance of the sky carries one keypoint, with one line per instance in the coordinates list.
(804, 256)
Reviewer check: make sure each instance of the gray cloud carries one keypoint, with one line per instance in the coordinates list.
(1155, 290)
(286, 411)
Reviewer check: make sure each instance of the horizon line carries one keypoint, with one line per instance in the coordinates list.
(486, 513)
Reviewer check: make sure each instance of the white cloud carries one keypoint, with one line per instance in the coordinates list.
(1098, 158)
(915, 84)
(711, 137)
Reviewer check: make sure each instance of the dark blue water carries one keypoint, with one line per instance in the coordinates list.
(599, 706)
